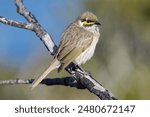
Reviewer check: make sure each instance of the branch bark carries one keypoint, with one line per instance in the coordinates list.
(79, 79)
(66, 81)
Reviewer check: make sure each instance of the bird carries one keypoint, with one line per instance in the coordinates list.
(77, 44)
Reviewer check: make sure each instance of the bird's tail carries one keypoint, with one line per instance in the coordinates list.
(55, 64)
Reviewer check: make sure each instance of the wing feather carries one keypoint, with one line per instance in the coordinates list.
(74, 41)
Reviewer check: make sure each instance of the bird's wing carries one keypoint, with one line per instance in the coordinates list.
(69, 57)
(72, 47)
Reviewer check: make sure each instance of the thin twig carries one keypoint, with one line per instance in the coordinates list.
(28, 26)
(66, 81)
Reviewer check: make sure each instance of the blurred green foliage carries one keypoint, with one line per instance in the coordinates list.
(124, 51)
(121, 61)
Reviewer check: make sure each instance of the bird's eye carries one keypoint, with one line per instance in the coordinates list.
(88, 22)
(83, 20)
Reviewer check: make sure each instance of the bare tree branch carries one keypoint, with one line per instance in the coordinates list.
(40, 32)
(28, 26)
(81, 78)
(66, 81)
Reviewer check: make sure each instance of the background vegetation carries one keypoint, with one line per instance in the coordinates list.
(121, 61)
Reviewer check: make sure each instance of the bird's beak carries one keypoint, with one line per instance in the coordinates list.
(97, 23)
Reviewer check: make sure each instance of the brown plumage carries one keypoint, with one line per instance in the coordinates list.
(77, 44)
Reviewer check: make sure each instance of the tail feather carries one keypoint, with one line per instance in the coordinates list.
(55, 64)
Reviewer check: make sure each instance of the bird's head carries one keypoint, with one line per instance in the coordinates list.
(88, 21)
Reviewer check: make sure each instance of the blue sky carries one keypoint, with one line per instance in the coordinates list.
(54, 15)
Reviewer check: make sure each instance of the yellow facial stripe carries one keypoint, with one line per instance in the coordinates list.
(87, 23)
